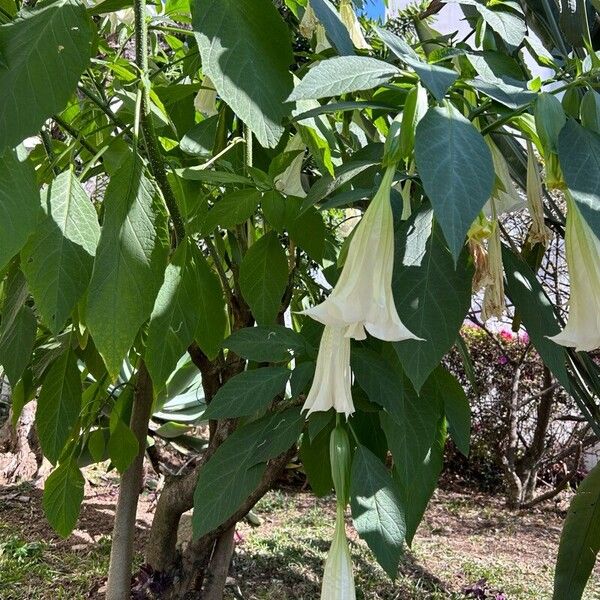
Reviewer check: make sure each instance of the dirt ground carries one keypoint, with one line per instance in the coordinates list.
(467, 541)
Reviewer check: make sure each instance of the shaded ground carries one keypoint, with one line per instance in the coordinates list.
(464, 538)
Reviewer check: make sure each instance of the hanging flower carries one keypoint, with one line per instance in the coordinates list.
(310, 25)
(583, 259)
(505, 194)
(362, 297)
(352, 24)
(333, 377)
(205, 101)
(478, 233)
(493, 296)
(539, 233)
(338, 582)
(290, 181)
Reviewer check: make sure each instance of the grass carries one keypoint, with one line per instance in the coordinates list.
(463, 539)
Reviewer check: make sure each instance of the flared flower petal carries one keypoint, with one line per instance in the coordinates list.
(338, 581)
(362, 298)
(331, 387)
(350, 20)
(582, 331)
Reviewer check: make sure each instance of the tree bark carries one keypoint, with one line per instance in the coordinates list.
(219, 566)
(121, 553)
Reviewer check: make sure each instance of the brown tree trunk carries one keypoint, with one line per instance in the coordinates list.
(121, 553)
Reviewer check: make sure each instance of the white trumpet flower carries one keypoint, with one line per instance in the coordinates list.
(350, 21)
(338, 582)
(205, 101)
(331, 387)
(362, 298)
(582, 331)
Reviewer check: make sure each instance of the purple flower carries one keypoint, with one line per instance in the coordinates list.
(502, 360)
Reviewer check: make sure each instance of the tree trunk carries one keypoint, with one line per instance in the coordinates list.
(121, 553)
(21, 458)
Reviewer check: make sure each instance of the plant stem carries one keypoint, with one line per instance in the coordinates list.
(157, 165)
(121, 553)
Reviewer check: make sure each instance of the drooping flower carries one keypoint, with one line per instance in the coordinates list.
(478, 233)
(349, 19)
(582, 331)
(362, 297)
(205, 101)
(290, 181)
(505, 195)
(331, 386)
(494, 301)
(310, 25)
(538, 233)
(338, 581)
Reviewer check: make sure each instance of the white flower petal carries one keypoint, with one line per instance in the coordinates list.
(331, 387)
(583, 259)
(338, 581)
(363, 294)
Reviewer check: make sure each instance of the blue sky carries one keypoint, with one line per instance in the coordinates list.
(374, 8)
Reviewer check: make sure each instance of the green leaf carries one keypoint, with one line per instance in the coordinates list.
(376, 511)
(456, 168)
(122, 446)
(590, 111)
(537, 313)
(549, 120)
(44, 51)
(210, 305)
(315, 457)
(343, 74)
(424, 272)
(509, 95)
(176, 315)
(266, 344)
(97, 445)
(246, 51)
(63, 494)
(417, 492)
(334, 27)
(435, 78)
(19, 204)
(232, 209)
(59, 257)
(58, 405)
(236, 468)
(579, 541)
(130, 263)
(247, 393)
(16, 343)
(444, 386)
(263, 278)
(579, 155)
(200, 139)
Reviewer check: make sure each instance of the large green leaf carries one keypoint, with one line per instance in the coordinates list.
(341, 75)
(42, 55)
(236, 468)
(266, 344)
(175, 317)
(130, 263)
(334, 27)
(316, 461)
(210, 305)
(63, 494)
(579, 155)
(246, 51)
(58, 405)
(263, 278)
(579, 541)
(456, 168)
(16, 343)
(122, 446)
(536, 312)
(232, 209)
(409, 421)
(435, 78)
(376, 510)
(20, 207)
(445, 387)
(424, 272)
(59, 257)
(247, 393)
(417, 492)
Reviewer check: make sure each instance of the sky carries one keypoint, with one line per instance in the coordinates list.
(374, 8)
